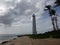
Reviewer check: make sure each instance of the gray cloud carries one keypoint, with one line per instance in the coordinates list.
(19, 10)
(19, 16)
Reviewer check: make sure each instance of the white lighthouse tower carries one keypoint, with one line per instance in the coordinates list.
(34, 24)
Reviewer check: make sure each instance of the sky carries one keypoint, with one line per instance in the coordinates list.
(16, 16)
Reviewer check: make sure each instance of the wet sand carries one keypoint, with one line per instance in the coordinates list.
(28, 41)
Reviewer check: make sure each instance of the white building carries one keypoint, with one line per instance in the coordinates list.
(34, 24)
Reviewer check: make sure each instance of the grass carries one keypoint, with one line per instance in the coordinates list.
(50, 34)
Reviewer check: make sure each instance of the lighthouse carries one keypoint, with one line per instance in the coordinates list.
(34, 25)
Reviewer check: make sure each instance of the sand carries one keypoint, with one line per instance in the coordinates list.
(28, 41)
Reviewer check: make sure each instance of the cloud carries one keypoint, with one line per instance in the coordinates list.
(15, 10)
(19, 16)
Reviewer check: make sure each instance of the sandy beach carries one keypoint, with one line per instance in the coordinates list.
(24, 40)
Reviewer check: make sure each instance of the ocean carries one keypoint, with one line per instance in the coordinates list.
(4, 37)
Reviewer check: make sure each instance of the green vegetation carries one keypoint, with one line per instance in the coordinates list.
(50, 34)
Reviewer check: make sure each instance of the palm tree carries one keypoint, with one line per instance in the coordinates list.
(55, 18)
(57, 3)
(51, 12)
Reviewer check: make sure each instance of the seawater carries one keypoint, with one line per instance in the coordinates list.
(4, 37)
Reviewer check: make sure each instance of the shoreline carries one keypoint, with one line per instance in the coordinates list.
(8, 40)
(25, 40)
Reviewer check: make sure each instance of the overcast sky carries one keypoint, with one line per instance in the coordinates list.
(16, 16)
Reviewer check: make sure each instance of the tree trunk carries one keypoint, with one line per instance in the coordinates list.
(56, 23)
(53, 23)
(52, 20)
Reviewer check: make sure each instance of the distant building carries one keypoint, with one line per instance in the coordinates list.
(34, 24)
